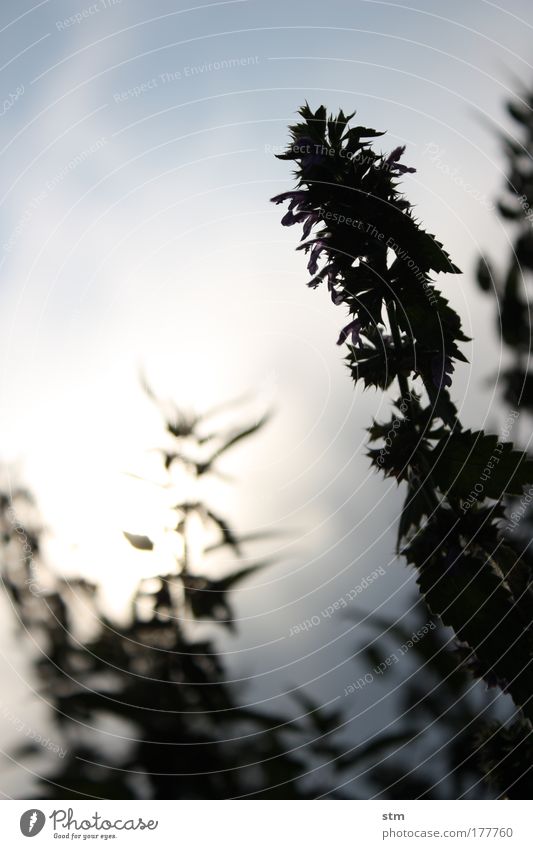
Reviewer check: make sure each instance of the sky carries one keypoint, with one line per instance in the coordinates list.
(136, 233)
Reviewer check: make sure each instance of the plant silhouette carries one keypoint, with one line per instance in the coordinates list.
(377, 262)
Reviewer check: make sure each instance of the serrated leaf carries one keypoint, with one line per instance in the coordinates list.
(460, 466)
(471, 598)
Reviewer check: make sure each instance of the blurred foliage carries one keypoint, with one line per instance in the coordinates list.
(189, 732)
(508, 752)
(509, 284)
(436, 696)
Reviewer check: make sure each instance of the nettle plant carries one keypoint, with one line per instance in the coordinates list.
(364, 243)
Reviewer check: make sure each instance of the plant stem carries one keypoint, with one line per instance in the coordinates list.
(395, 330)
(428, 493)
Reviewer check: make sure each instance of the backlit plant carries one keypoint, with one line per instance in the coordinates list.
(364, 243)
